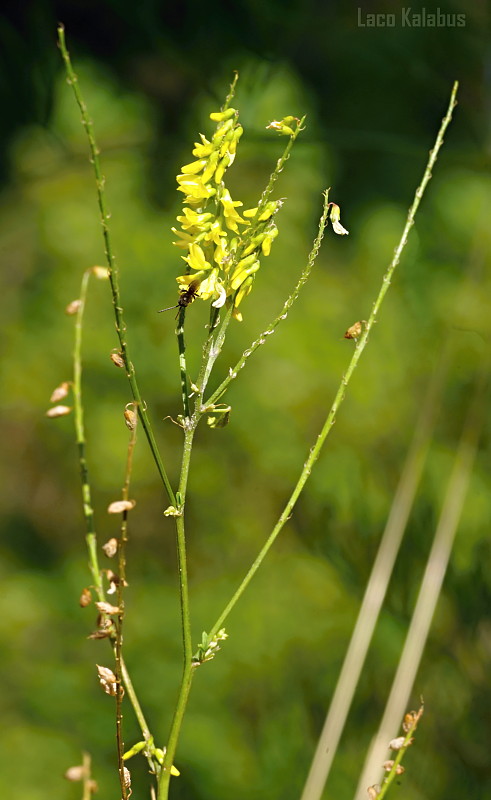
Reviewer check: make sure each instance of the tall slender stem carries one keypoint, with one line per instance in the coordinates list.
(111, 263)
(359, 348)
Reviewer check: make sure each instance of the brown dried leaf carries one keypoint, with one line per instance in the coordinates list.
(58, 411)
(121, 505)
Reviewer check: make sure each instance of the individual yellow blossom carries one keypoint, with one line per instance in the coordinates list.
(194, 188)
(186, 238)
(204, 149)
(241, 272)
(196, 258)
(220, 116)
(335, 217)
(230, 214)
(191, 219)
(209, 286)
(194, 167)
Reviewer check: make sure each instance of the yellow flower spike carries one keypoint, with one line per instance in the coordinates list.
(194, 167)
(196, 258)
(335, 217)
(220, 116)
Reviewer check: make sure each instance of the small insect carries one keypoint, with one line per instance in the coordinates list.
(185, 298)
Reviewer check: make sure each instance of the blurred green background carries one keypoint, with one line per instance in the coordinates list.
(151, 73)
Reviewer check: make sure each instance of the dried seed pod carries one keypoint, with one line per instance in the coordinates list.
(58, 411)
(85, 598)
(60, 392)
(121, 505)
(73, 307)
(396, 744)
(355, 330)
(387, 765)
(117, 358)
(108, 680)
(101, 273)
(75, 773)
(107, 608)
(373, 792)
(126, 778)
(110, 547)
(131, 418)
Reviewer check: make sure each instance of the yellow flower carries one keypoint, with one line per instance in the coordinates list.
(196, 258)
(229, 212)
(194, 167)
(335, 217)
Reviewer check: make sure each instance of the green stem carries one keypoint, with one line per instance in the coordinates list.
(359, 348)
(394, 772)
(181, 343)
(91, 536)
(111, 263)
(284, 311)
(188, 669)
(118, 641)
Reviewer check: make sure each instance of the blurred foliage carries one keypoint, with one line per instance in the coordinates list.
(151, 73)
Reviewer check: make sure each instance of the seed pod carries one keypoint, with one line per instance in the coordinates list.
(108, 680)
(117, 358)
(85, 597)
(58, 411)
(121, 505)
(110, 547)
(73, 307)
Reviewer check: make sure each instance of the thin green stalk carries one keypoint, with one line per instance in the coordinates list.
(359, 348)
(111, 263)
(118, 641)
(433, 577)
(218, 393)
(91, 536)
(373, 598)
(188, 669)
(394, 771)
(181, 343)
